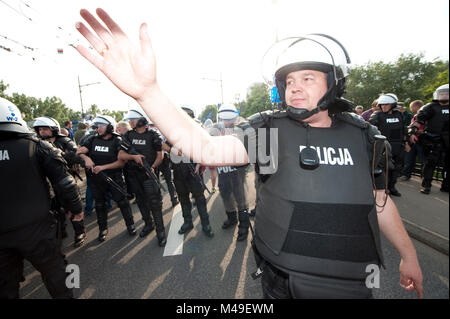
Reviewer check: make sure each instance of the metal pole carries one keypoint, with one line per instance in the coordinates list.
(81, 99)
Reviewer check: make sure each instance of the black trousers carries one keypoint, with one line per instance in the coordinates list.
(164, 168)
(186, 184)
(398, 155)
(434, 153)
(148, 197)
(38, 244)
(100, 188)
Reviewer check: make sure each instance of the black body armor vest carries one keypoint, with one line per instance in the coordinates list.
(320, 221)
(24, 192)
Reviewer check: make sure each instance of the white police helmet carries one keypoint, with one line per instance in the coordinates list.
(441, 93)
(389, 98)
(47, 121)
(107, 120)
(227, 112)
(10, 118)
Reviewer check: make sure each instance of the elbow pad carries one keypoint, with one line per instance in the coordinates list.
(69, 195)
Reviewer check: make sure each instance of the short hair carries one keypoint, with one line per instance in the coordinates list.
(64, 131)
(375, 103)
(418, 103)
(124, 125)
(360, 107)
(67, 122)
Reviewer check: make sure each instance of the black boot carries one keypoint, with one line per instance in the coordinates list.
(102, 235)
(161, 238)
(244, 224)
(79, 240)
(425, 190)
(148, 228)
(131, 230)
(232, 220)
(208, 230)
(394, 192)
(80, 233)
(186, 227)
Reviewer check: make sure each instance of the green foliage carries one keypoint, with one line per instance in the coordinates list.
(207, 110)
(258, 100)
(410, 78)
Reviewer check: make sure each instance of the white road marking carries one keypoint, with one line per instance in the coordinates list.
(174, 245)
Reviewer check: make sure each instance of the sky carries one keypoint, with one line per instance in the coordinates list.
(199, 42)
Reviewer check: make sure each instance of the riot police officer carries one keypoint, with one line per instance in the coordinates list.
(391, 124)
(435, 140)
(48, 129)
(27, 229)
(99, 153)
(138, 145)
(232, 180)
(319, 211)
(187, 181)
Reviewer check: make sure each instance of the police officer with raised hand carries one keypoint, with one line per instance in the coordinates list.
(27, 229)
(232, 179)
(187, 181)
(99, 153)
(146, 145)
(391, 124)
(319, 211)
(435, 140)
(48, 129)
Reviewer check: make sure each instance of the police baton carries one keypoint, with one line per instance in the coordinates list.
(198, 177)
(131, 150)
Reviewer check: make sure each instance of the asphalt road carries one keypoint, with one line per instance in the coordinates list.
(211, 268)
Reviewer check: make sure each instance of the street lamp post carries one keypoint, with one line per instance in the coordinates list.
(221, 84)
(81, 98)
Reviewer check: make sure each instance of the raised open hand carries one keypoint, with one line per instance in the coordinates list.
(132, 69)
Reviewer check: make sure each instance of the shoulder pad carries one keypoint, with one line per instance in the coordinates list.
(116, 134)
(358, 121)
(51, 151)
(353, 119)
(261, 118)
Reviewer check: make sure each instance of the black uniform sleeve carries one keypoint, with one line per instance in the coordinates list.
(425, 113)
(87, 142)
(156, 141)
(69, 152)
(374, 119)
(55, 169)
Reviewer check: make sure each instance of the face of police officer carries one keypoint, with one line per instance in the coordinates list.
(45, 131)
(386, 107)
(101, 129)
(133, 122)
(443, 98)
(305, 88)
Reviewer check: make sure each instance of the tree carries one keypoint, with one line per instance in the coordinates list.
(409, 78)
(210, 111)
(258, 100)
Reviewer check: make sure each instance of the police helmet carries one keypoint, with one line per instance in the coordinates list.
(10, 118)
(227, 112)
(441, 94)
(105, 120)
(208, 123)
(46, 121)
(138, 114)
(188, 111)
(319, 52)
(389, 98)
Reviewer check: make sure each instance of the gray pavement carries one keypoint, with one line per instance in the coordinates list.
(219, 268)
